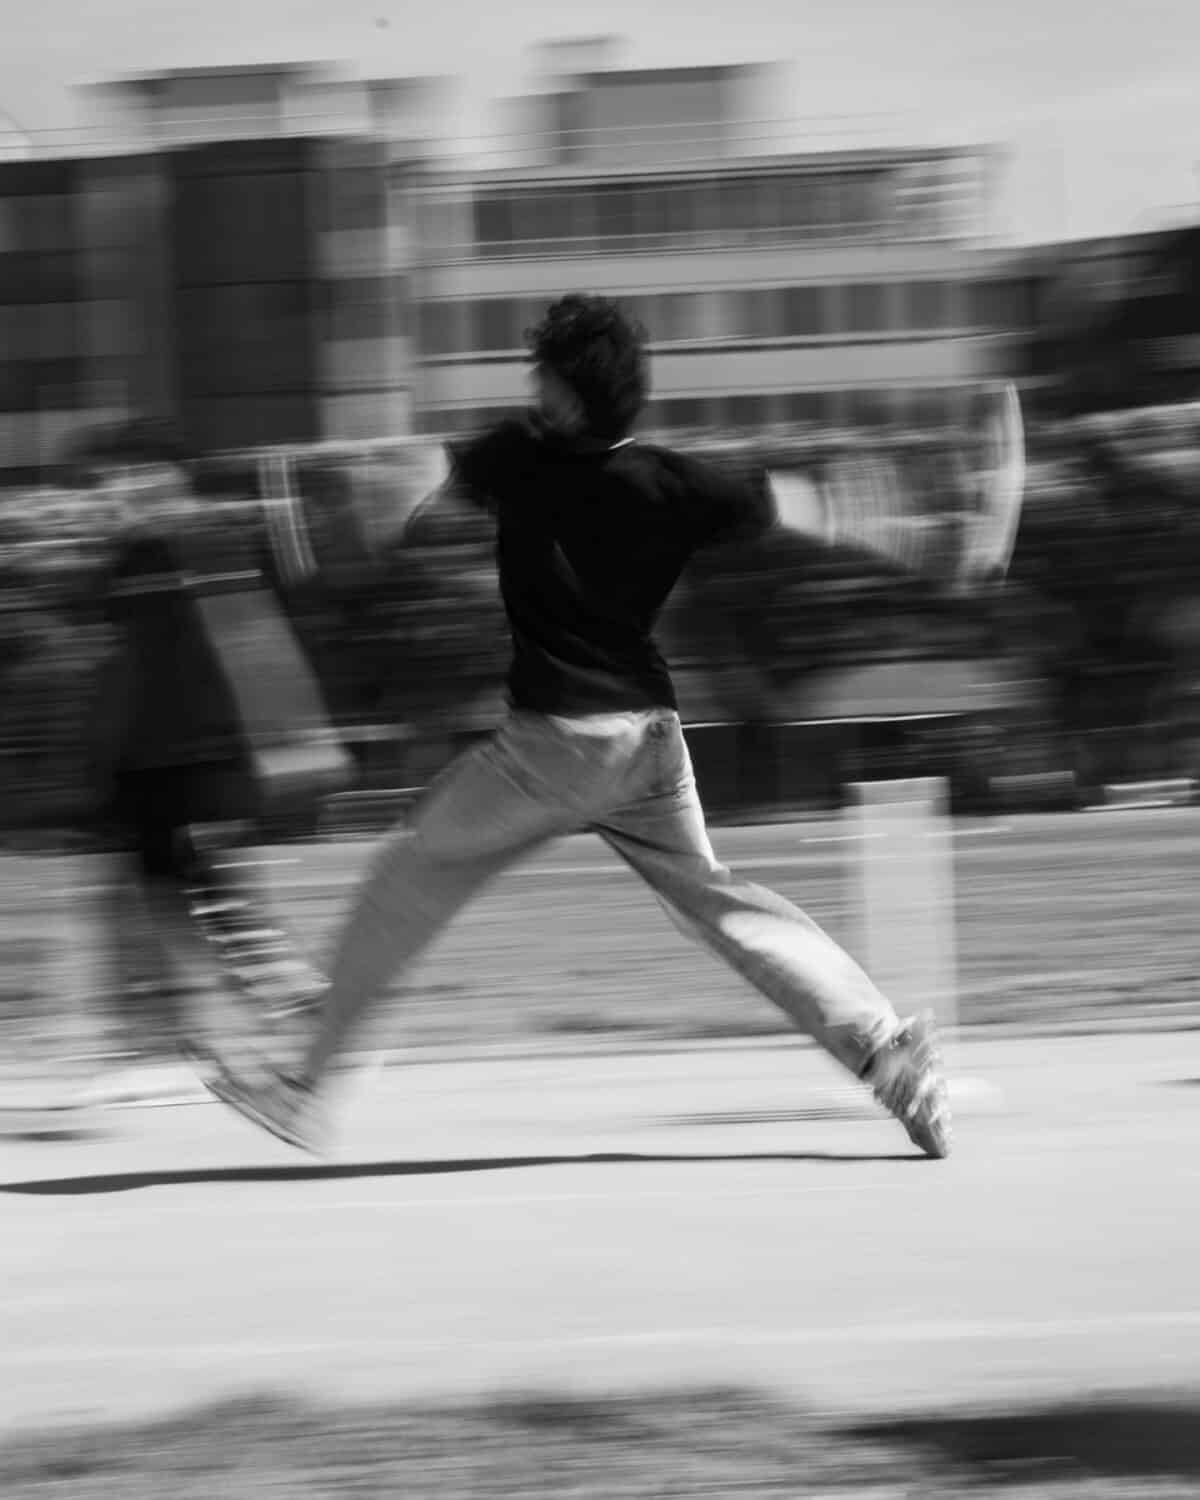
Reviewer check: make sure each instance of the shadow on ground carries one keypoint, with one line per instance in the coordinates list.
(1109, 1439)
(126, 1182)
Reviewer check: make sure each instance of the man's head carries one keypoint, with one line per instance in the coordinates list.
(590, 368)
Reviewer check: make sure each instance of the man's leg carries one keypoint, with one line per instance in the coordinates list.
(156, 961)
(481, 815)
(773, 944)
(251, 947)
(146, 918)
(490, 807)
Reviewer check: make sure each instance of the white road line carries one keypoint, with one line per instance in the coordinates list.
(939, 1331)
(343, 880)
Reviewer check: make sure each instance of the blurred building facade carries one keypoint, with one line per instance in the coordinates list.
(776, 287)
(1119, 321)
(232, 253)
(281, 255)
(64, 327)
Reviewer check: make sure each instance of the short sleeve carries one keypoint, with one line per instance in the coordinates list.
(732, 504)
(482, 468)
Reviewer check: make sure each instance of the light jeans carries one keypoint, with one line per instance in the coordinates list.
(627, 777)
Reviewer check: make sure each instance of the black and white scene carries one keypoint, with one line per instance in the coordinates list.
(599, 751)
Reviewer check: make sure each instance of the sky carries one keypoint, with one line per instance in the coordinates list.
(1095, 106)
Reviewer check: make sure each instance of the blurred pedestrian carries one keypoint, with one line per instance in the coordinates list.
(176, 769)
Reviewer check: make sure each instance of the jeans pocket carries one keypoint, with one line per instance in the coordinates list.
(669, 763)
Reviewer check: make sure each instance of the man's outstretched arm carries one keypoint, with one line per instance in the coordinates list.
(448, 509)
(869, 502)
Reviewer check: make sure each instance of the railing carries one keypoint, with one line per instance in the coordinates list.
(881, 232)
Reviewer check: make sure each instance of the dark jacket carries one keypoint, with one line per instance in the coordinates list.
(164, 700)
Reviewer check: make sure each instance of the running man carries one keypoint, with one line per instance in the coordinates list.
(593, 531)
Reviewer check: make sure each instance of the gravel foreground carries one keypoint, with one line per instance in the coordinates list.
(702, 1443)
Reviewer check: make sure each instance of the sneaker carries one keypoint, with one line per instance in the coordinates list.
(905, 1076)
(283, 1106)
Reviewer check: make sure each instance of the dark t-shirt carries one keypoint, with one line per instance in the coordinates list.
(176, 705)
(590, 542)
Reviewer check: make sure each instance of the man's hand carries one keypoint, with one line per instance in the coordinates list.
(946, 516)
(999, 484)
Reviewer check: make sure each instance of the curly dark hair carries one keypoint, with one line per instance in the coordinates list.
(600, 352)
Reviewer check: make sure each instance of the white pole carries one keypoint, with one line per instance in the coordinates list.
(902, 893)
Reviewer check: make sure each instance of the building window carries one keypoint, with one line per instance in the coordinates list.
(494, 221)
(42, 222)
(741, 411)
(399, 306)
(683, 316)
(680, 206)
(356, 199)
(666, 210)
(1027, 298)
(797, 204)
(902, 407)
(768, 202)
(729, 207)
(111, 332)
(438, 419)
(668, 317)
(760, 313)
(717, 315)
(40, 330)
(544, 216)
(805, 312)
(444, 328)
(869, 408)
(922, 207)
(498, 325)
(930, 408)
(928, 305)
(709, 221)
(1008, 304)
(648, 216)
(866, 308)
(868, 210)
(680, 413)
(359, 321)
(744, 204)
(614, 220)
(826, 204)
(362, 307)
(651, 418)
(449, 420)
(806, 406)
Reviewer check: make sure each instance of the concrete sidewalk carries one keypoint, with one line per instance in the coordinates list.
(554, 1224)
(544, 1102)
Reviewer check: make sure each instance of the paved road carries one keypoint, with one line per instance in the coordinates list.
(718, 1215)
